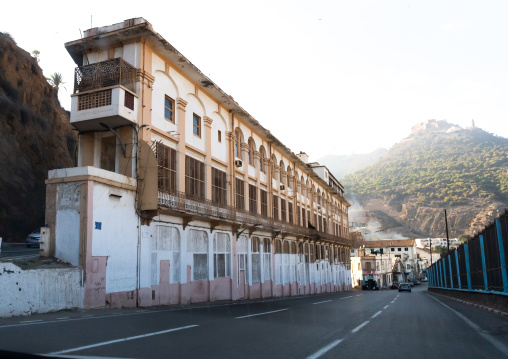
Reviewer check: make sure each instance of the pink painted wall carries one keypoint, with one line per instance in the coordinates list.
(220, 289)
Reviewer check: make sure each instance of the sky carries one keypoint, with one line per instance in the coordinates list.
(325, 77)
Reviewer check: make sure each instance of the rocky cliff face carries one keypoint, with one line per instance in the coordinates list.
(35, 136)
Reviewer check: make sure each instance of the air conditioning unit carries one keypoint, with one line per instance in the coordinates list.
(282, 187)
(238, 163)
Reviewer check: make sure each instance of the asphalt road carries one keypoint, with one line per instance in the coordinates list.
(380, 324)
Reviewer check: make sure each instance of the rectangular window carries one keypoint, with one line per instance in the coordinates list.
(392, 249)
(219, 136)
(308, 218)
(275, 207)
(405, 249)
(166, 167)
(196, 125)
(253, 199)
(169, 109)
(264, 203)
(283, 216)
(325, 229)
(221, 255)
(240, 194)
(219, 191)
(194, 178)
(399, 249)
(129, 100)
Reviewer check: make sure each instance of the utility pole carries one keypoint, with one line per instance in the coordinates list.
(430, 241)
(447, 238)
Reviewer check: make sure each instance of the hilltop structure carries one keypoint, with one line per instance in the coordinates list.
(180, 195)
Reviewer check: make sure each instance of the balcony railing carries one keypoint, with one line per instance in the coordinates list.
(103, 74)
(181, 202)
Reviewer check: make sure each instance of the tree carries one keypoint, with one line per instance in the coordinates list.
(55, 80)
(463, 238)
(36, 54)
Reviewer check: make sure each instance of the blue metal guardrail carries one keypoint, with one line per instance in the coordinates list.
(476, 266)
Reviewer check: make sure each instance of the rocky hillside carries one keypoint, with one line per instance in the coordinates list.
(35, 136)
(439, 166)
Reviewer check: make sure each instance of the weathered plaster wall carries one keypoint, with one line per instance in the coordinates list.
(117, 237)
(24, 292)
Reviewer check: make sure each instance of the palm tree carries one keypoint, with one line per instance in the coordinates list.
(55, 80)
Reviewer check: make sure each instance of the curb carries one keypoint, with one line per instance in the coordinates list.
(479, 306)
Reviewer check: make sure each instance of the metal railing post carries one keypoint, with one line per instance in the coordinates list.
(451, 274)
(484, 265)
(468, 269)
(458, 270)
(501, 255)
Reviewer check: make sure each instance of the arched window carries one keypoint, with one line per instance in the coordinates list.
(252, 148)
(262, 153)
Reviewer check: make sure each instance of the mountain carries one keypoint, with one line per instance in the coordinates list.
(438, 166)
(35, 136)
(342, 165)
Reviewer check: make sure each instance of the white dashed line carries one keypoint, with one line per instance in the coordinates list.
(254, 315)
(359, 295)
(360, 326)
(121, 340)
(386, 306)
(62, 318)
(324, 301)
(375, 315)
(325, 349)
(347, 297)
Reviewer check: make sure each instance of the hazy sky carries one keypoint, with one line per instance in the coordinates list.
(325, 77)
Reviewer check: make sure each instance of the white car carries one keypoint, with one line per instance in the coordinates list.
(33, 239)
(405, 287)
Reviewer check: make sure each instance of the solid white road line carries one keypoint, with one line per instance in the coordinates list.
(324, 301)
(121, 340)
(347, 297)
(386, 306)
(482, 332)
(31, 321)
(375, 315)
(325, 349)
(360, 326)
(254, 315)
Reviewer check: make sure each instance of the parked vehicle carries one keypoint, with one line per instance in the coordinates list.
(371, 284)
(411, 283)
(416, 282)
(424, 280)
(405, 287)
(394, 286)
(33, 239)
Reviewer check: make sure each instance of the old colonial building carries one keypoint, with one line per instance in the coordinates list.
(180, 195)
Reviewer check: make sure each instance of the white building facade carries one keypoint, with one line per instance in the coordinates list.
(180, 195)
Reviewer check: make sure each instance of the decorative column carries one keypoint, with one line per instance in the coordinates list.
(180, 113)
(245, 159)
(208, 156)
(257, 160)
(230, 136)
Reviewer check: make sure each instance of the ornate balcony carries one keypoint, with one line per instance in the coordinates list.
(180, 202)
(104, 92)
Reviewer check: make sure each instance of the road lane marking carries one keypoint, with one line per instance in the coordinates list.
(386, 306)
(375, 315)
(347, 297)
(360, 326)
(359, 295)
(325, 349)
(62, 318)
(254, 315)
(482, 332)
(324, 301)
(393, 301)
(31, 321)
(121, 340)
